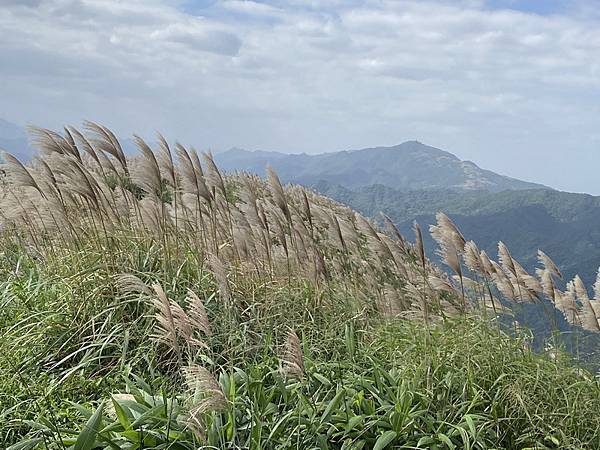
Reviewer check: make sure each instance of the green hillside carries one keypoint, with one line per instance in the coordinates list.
(561, 223)
(152, 302)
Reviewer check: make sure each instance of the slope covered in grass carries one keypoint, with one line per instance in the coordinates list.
(153, 303)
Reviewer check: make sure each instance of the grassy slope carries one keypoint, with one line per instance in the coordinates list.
(367, 371)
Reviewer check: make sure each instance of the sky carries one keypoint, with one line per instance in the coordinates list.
(512, 85)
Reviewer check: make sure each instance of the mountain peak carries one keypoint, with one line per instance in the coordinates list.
(411, 165)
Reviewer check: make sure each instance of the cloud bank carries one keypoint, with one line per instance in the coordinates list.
(504, 83)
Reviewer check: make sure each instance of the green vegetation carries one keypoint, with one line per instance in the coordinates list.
(561, 223)
(148, 303)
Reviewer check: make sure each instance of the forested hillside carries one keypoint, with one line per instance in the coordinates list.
(564, 224)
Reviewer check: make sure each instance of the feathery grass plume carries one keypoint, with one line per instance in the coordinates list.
(49, 142)
(278, 193)
(549, 264)
(187, 172)
(183, 324)
(204, 396)
(529, 282)
(439, 284)
(307, 211)
(212, 174)
(203, 189)
(547, 283)
(146, 171)
(319, 267)
(505, 258)
(129, 283)
(351, 238)
(336, 233)
(166, 331)
(106, 141)
(486, 264)
(220, 274)
(85, 144)
(503, 283)
(392, 304)
(447, 231)
(472, 258)
(567, 304)
(450, 256)
(587, 314)
(394, 232)
(597, 286)
(198, 314)
(19, 174)
(200, 381)
(419, 246)
(165, 161)
(596, 300)
(292, 360)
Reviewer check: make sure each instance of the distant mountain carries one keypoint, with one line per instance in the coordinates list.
(408, 166)
(13, 139)
(564, 225)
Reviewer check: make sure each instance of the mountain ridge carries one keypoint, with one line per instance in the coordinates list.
(410, 165)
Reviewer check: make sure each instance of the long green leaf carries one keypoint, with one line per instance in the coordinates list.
(87, 437)
(384, 440)
(26, 445)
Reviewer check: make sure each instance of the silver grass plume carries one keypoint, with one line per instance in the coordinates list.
(394, 232)
(106, 141)
(166, 329)
(292, 360)
(218, 270)
(439, 284)
(587, 313)
(503, 283)
(472, 258)
(568, 305)
(197, 313)
(212, 175)
(204, 396)
(486, 264)
(505, 258)
(19, 173)
(547, 283)
(307, 211)
(596, 300)
(128, 283)
(146, 173)
(165, 161)
(420, 248)
(446, 230)
(549, 264)
(278, 193)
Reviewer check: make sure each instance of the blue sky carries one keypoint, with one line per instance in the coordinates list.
(511, 85)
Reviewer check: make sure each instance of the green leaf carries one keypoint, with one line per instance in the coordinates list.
(471, 425)
(321, 379)
(384, 440)
(446, 440)
(425, 440)
(121, 414)
(26, 445)
(334, 403)
(87, 437)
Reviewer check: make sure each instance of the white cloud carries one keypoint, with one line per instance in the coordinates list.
(506, 89)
